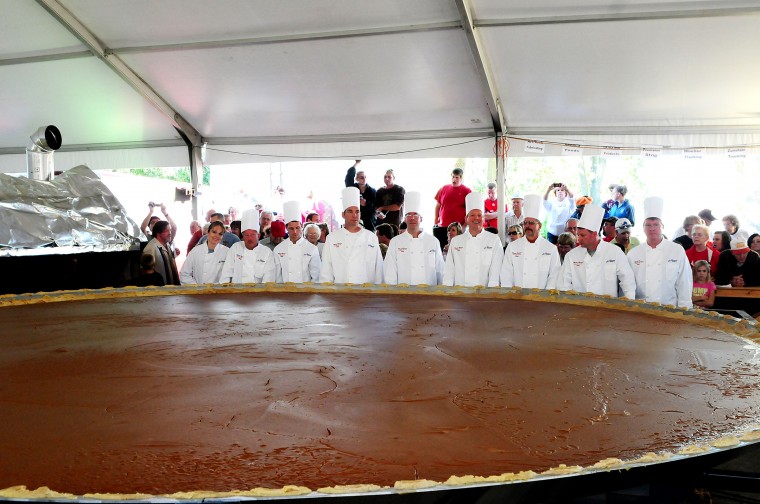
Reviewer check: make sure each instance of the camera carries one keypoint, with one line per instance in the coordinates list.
(557, 184)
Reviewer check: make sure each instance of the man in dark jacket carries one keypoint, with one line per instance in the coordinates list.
(358, 179)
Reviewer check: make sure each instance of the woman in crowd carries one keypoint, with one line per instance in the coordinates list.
(454, 229)
(754, 242)
(312, 233)
(699, 251)
(721, 241)
(565, 243)
(204, 264)
(514, 233)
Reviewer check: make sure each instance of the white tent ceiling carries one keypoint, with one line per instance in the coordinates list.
(339, 78)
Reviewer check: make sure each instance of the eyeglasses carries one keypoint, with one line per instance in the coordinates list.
(530, 222)
(513, 233)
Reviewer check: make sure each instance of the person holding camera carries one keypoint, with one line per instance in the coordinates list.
(559, 209)
(150, 220)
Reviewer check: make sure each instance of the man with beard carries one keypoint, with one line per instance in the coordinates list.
(531, 262)
(247, 261)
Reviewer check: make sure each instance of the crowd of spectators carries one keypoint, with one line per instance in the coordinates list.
(292, 246)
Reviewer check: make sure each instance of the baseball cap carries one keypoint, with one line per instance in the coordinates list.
(707, 214)
(277, 229)
(739, 246)
(623, 224)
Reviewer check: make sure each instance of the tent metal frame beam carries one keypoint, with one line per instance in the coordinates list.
(487, 80)
(45, 57)
(629, 130)
(352, 137)
(149, 144)
(281, 39)
(631, 16)
(491, 94)
(276, 140)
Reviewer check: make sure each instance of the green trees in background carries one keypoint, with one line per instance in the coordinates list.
(181, 174)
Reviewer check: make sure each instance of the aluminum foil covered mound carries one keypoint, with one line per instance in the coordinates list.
(73, 213)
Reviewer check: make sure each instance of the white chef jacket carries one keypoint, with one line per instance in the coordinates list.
(598, 274)
(297, 262)
(663, 274)
(473, 260)
(414, 261)
(530, 265)
(351, 258)
(202, 267)
(248, 266)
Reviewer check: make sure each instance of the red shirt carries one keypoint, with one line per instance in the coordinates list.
(491, 206)
(452, 204)
(695, 256)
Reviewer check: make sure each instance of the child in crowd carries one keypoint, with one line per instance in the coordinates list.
(148, 276)
(703, 292)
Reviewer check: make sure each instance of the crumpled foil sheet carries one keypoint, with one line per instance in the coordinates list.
(74, 213)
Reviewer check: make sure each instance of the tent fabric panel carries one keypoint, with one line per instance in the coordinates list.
(184, 21)
(404, 82)
(666, 73)
(89, 104)
(28, 30)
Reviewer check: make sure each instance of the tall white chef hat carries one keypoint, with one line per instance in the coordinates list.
(292, 211)
(350, 197)
(412, 202)
(532, 206)
(591, 218)
(653, 207)
(250, 220)
(474, 201)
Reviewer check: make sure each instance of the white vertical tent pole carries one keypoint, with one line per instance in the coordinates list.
(500, 187)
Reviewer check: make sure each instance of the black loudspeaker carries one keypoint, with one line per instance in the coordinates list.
(181, 194)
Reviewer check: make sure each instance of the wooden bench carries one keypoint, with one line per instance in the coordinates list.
(739, 298)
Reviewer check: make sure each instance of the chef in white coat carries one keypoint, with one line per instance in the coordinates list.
(661, 268)
(205, 262)
(247, 261)
(351, 254)
(295, 259)
(531, 261)
(414, 257)
(596, 266)
(474, 257)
